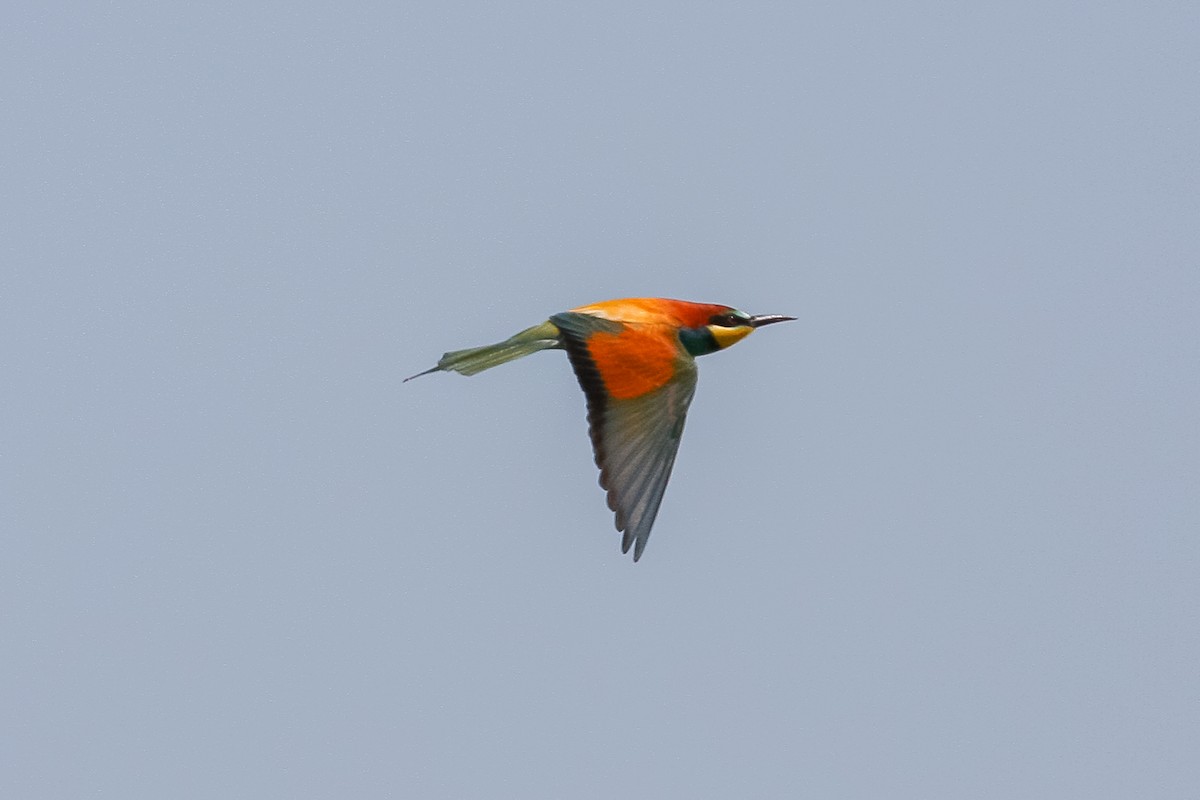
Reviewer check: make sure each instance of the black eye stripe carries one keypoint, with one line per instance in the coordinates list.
(727, 320)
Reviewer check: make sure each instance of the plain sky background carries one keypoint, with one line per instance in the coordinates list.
(938, 539)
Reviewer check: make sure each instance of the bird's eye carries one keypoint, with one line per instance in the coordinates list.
(727, 320)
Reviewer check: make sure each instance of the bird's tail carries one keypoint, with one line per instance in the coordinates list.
(476, 359)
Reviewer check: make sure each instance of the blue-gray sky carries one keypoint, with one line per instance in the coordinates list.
(940, 538)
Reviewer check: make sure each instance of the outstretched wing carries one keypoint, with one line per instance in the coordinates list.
(639, 382)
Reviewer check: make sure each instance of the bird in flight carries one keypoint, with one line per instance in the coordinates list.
(635, 361)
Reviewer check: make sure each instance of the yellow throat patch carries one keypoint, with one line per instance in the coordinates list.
(727, 337)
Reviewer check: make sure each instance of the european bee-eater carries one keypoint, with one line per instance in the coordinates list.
(635, 361)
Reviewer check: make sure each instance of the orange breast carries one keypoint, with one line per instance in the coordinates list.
(635, 361)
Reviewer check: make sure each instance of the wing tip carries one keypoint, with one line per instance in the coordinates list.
(636, 541)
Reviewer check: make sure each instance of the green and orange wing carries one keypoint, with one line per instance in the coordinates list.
(639, 382)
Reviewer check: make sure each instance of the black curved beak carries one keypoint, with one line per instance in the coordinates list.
(768, 319)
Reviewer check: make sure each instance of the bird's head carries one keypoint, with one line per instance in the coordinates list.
(725, 328)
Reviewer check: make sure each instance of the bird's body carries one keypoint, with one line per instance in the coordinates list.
(635, 361)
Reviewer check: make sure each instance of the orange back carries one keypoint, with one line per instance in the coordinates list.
(655, 310)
